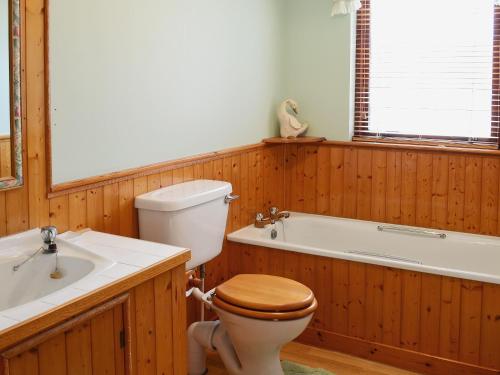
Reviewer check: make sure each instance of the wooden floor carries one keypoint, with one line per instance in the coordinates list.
(338, 363)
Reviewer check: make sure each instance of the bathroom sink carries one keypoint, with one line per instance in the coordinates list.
(33, 280)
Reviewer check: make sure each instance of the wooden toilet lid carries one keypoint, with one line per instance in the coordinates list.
(265, 293)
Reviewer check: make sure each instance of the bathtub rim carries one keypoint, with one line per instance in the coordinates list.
(237, 237)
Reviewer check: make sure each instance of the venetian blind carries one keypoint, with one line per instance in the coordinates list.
(428, 70)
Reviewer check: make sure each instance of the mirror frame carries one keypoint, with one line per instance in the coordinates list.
(16, 62)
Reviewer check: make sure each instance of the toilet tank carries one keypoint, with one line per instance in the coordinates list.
(191, 215)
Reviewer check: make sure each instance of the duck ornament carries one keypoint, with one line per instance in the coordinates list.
(290, 126)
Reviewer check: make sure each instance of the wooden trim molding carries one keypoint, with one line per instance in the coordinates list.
(404, 146)
(398, 357)
(111, 178)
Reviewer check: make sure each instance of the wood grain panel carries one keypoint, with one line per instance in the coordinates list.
(441, 325)
(130, 334)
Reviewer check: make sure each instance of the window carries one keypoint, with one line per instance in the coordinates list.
(428, 70)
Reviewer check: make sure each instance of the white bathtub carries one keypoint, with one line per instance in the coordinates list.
(452, 254)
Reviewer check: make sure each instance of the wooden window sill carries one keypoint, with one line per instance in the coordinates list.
(417, 146)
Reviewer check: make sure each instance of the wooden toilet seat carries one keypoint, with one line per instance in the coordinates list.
(265, 297)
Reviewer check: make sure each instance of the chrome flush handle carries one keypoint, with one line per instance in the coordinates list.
(231, 198)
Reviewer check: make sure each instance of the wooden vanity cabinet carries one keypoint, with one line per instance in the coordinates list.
(141, 331)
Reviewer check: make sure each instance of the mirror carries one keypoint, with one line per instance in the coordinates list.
(10, 95)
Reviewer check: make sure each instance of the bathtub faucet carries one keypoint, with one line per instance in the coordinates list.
(261, 221)
(276, 215)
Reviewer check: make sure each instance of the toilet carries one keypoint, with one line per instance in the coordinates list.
(258, 314)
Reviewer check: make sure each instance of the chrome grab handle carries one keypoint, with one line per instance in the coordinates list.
(421, 232)
(231, 198)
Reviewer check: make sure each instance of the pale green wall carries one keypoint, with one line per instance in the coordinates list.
(318, 70)
(140, 82)
(135, 83)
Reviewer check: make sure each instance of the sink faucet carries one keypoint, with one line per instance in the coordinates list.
(49, 237)
(49, 247)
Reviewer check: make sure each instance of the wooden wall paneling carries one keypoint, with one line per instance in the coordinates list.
(35, 114)
(5, 159)
(166, 178)
(470, 324)
(59, 213)
(126, 209)
(296, 157)
(246, 215)
(323, 281)
(140, 187)
(374, 309)
(379, 185)
(273, 171)
(276, 263)
(350, 182)
(77, 211)
(111, 208)
(52, 356)
(16, 208)
(430, 313)
(164, 329)
(472, 209)
(357, 299)
(95, 209)
(393, 196)
(188, 173)
(310, 178)
(364, 185)
(340, 296)
(236, 182)
(177, 176)
(337, 181)
(154, 181)
(255, 183)
(449, 324)
(323, 182)
(391, 334)
(456, 193)
(408, 188)
(3, 215)
(422, 322)
(145, 328)
(410, 309)
(424, 190)
(490, 327)
(179, 321)
(489, 196)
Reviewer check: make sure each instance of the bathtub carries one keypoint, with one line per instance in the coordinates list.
(459, 255)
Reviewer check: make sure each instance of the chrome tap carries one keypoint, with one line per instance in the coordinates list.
(276, 215)
(49, 239)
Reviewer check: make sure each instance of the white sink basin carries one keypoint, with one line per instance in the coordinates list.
(32, 280)
(87, 260)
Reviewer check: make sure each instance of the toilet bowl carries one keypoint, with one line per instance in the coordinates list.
(258, 314)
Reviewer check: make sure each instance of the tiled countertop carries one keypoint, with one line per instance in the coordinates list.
(128, 256)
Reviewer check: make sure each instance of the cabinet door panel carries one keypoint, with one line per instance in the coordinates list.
(92, 343)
